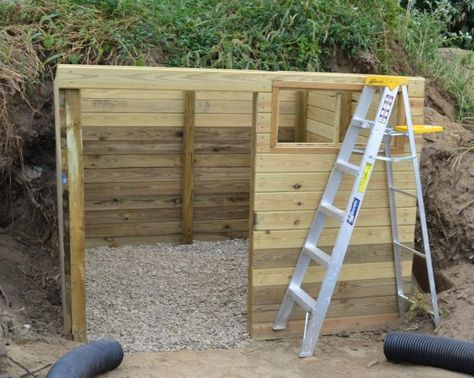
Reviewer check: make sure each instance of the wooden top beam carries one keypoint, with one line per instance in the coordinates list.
(197, 79)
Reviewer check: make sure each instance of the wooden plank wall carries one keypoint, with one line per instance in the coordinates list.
(133, 142)
(222, 164)
(322, 117)
(132, 123)
(132, 165)
(287, 189)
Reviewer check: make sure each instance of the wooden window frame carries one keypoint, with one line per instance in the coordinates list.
(281, 147)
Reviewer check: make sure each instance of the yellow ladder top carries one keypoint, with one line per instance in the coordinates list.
(420, 129)
(386, 81)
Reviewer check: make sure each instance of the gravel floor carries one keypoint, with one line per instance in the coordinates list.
(169, 297)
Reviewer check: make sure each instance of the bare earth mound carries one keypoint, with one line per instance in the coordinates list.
(167, 297)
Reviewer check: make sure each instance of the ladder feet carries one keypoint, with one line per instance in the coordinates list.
(305, 354)
(279, 327)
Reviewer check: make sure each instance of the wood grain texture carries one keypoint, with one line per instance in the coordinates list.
(188, 167)
(63, 232)
(133, 122)
(168, 78)
(76, 215)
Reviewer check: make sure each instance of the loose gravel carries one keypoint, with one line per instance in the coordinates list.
(167, 297)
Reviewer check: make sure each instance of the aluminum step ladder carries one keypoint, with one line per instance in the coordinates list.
(379, 133)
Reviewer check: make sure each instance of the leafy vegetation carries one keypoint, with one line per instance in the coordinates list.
(243, 34)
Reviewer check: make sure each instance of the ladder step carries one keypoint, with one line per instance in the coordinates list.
(358, 151)
(395, 159)
(347, 167)
(332, 211)
(318, 255)
(302, 298)
(414, 251)
(362, 123)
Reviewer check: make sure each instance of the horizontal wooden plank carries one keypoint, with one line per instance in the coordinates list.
(114, 202)
(224, 95)
(132, 229)
(295, 238)
(164, 228)
(114, 77)
(209, 134)
(321, 115)
(131, 161)
(264, 331)
(131, 106)
(138, 161)
(223, 120)
(326, 131)
(322, 99)
(221, 186)
(132, 133)
(301, 220)
(162, 174)
(132, 119)
(310, 200)
(224, 107)
(212, 173)
(115, 190)
(117, 241)
(131, 175)
(303, 182)
(104, 93)
(349, 272)
(132, 147)
(222, 160)
(356, 254)
(266, 295)
(129, 216)
(161, 201)
(221, 226)
(338, 308)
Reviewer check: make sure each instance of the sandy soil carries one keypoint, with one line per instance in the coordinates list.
(359, 355)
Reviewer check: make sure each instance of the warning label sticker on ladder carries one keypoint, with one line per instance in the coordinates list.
(353, 212)
(364, 180)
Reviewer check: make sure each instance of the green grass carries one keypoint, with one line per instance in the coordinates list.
(240, 34)
(422, 33)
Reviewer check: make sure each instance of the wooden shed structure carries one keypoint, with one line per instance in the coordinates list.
(148, 155)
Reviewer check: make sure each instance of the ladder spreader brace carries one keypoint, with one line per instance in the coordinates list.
(379, 132)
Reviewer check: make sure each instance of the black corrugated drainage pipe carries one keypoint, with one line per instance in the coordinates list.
(436, 351)
(88, 360)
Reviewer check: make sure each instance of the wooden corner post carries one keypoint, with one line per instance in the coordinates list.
(76, 215)
(188, 166)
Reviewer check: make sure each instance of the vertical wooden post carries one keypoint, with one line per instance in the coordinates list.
(76, 215)
(301, 107)
(63, 244)
(275, 116)
(188, 166)
(399, 143)
(345, 112)
(255, 99)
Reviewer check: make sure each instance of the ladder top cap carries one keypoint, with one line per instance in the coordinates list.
(386, 81)
(420, 129)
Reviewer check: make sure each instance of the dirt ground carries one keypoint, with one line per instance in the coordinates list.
(357, 355)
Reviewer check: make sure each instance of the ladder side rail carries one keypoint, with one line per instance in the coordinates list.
(352, 211)
(421, 207)
(394, 226)
(336, 176)
(349, 140)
